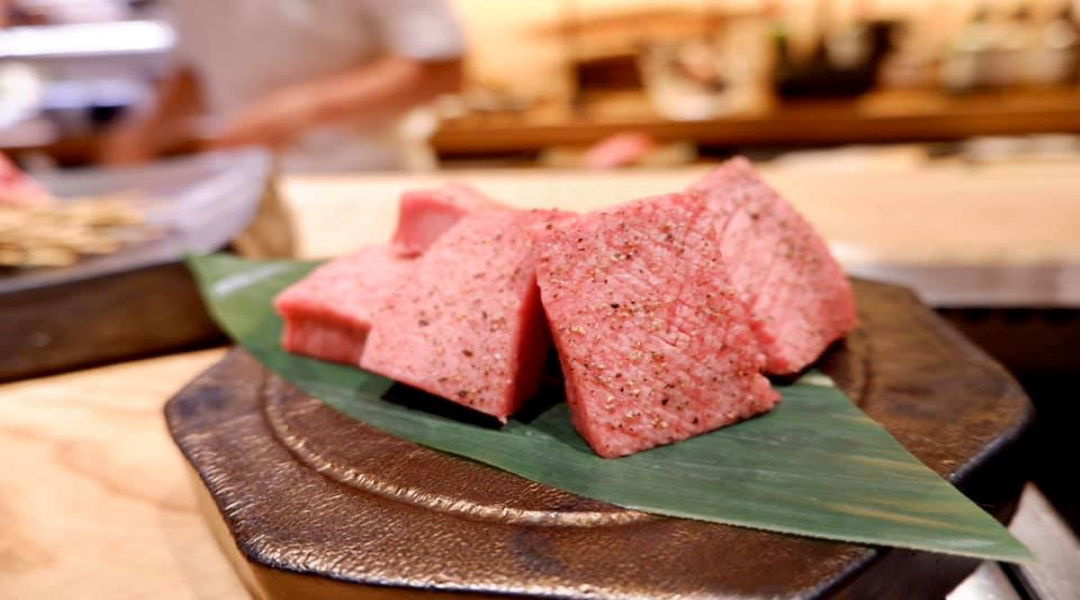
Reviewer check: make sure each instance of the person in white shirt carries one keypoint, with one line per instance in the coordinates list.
(328, 83)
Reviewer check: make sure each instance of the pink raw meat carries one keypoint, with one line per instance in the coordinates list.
(19, 189)
(328, 313)
(468, 325)
(426, 214)
(619, 150)
(655, 345)
(799, 299)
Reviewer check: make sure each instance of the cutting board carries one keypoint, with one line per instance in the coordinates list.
(309, 503)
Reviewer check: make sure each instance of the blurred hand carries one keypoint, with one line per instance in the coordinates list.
(125, 146)
(154, 126)
(274, 121)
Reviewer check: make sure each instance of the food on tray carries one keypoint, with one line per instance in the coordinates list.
(427, 214)
(655, 343)
(56, 235)
(666, 311)
(799, 298)
(467, 324)
(328, 315)
(37, 230)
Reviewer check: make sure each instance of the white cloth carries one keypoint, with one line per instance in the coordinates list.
(242, 50)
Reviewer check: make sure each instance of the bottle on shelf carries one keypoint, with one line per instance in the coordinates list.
(1052, 57)
(1011, 37)
(961, 69)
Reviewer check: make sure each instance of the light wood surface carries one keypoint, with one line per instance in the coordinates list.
(94, 500)
(894, 212)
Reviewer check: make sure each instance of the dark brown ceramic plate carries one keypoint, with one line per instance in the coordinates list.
(310, 503)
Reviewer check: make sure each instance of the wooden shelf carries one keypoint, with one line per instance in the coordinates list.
(909, 116)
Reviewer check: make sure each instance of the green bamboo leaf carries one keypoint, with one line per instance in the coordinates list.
(815, 466)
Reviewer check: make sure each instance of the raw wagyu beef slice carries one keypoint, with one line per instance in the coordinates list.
(655, 345)
(19, 189)
(328, 313)
(799, 299)
(426, 214)
(468, 325)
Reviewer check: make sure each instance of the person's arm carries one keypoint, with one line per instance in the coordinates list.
(152, 127)
(368, 94)
(423, 44)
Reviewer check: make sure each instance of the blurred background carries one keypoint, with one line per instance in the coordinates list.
(935, 143)
(543, 81)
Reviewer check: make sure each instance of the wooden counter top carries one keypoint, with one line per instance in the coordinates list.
(94, 498)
